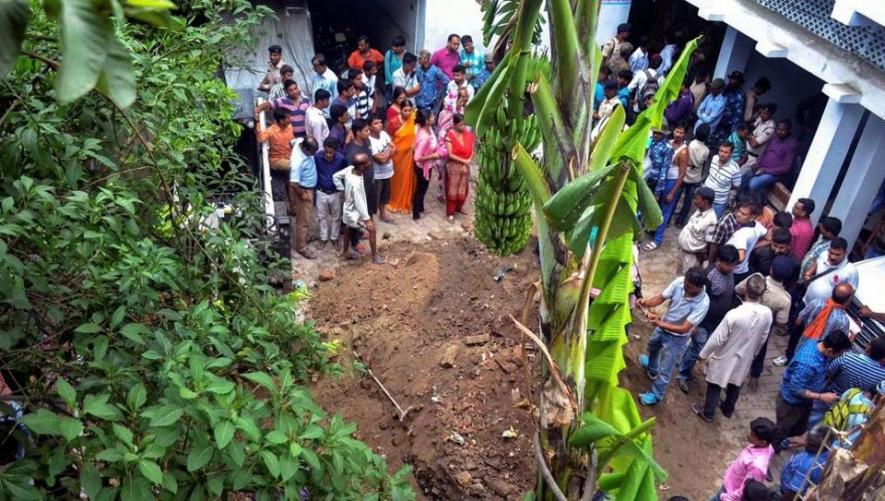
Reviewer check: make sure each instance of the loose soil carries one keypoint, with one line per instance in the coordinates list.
(403, 318)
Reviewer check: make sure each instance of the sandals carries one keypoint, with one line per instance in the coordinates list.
(650, 246)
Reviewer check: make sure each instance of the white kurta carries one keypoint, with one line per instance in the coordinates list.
(732, 346)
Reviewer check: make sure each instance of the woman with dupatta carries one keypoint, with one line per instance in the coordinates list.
(444, 125)
(394, 113)
(402, 184)
(460, 146)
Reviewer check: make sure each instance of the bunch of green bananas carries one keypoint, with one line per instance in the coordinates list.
(503, 216)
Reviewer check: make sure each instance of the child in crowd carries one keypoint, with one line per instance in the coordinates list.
(806, 464)
(751, 463)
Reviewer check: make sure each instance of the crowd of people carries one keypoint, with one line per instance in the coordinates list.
(363, 143)
(369, 139)
(747, 271)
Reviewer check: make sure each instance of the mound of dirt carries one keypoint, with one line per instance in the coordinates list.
(433, 327)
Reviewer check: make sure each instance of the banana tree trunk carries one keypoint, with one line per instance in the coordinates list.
(585, 197)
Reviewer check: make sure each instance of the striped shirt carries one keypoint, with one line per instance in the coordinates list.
(722, 178)
(296, 113)
(854, 370)
(362, 103)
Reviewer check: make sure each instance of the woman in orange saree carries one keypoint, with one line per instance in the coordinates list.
(402, 184)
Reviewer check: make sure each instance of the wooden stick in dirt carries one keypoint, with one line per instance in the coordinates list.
(402, 413)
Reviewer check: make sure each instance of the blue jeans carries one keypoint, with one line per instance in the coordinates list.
(666, 210)
(719, 209)
(719, 493)
(698, 340)
(758, 182)
(871, 253)
(664, 352)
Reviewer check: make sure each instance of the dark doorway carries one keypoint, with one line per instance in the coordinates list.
(337, 24)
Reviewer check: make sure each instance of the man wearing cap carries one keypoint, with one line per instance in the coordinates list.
(612, 48)
(776, 162)
(777, 299)
(485, 73)
(659, 157)
(712, 107)
(693, 238)
(734, 102)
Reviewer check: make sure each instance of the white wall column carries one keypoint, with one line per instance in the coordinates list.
(735, 53)
(611, 14)
(825, 157)
(862, 181)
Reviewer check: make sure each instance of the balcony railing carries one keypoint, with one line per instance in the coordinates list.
(865, 42)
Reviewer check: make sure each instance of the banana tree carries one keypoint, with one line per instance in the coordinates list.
(585, 196)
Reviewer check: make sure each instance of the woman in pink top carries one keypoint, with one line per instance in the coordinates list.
(802, 229)
(751, 463)
(427, 154)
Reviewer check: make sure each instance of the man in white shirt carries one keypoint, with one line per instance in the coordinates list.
(763, 130)
(458, 81)
(355, 215)
(723, 176)
(315, 124)
(699, 229)
(831, 269)
(323, 78)
(383, 150)
(639, 86)
(406, 76)
(744, 240)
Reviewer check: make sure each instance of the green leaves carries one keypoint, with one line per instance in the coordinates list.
(151, 471)
(99, 407)
(43, 422)
(199, 456)
(591, 430)
(14, 16)
(224, 432)
(567, 205)
(85, 36)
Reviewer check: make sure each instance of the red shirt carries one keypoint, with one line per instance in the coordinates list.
(356, 59)
(802, 232)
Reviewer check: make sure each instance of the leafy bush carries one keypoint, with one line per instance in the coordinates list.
(150, 356)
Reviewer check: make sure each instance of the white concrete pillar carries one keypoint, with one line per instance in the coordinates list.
(734, 54)
(862, 181)
(611, 14)
(825, 157)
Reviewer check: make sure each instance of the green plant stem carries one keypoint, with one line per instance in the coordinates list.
(553, 127)
(567, 48)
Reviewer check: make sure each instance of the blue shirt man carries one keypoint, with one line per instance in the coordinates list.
(660, 156)
(712, 107)
(326, 168)
(433, 83)
(302, 169)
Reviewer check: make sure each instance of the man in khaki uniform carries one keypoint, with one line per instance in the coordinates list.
(777, 299)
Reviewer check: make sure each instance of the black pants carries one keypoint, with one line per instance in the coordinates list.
(714, 391)
(759, 361)
(688, 192)
(420, 191)
(792, 420)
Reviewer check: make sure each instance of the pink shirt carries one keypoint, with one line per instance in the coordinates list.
(445, 60)
(802, 232)
(425, 144)
(752, 462)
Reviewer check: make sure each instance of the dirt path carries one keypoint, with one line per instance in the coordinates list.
(434, 302)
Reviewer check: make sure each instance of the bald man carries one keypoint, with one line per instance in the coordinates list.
(820, 318)
(355, 216)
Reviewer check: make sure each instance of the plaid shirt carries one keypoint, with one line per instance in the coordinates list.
(725, 228)
(807, 371)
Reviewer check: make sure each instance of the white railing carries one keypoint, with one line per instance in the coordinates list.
(270, 216)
